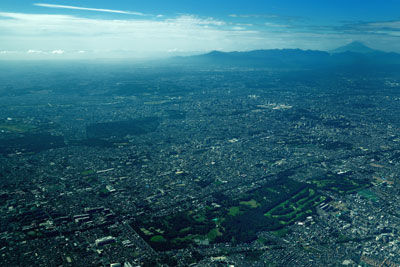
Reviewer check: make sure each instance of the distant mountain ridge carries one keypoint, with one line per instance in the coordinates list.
(258, 58)
(350, 55)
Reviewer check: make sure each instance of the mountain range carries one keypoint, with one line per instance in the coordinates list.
(348, 56)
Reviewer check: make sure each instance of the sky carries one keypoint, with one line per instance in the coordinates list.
(77, 29)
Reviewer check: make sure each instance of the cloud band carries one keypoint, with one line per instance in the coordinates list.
(90, 9)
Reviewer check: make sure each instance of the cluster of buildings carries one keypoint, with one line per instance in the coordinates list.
(79, 205)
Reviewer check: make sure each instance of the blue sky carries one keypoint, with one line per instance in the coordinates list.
(137, 29)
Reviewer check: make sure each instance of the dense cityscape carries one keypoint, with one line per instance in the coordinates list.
(148, 165)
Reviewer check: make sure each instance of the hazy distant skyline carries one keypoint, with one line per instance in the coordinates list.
(138, 29)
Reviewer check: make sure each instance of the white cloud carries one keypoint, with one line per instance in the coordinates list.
(275, 25)
(193, 20)
(58, 52)
(33, 51)
(269, 16)
(8, 52)
(44, 32)
(238, 28)
(244, 24)
(394, 25)
(89, 9)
